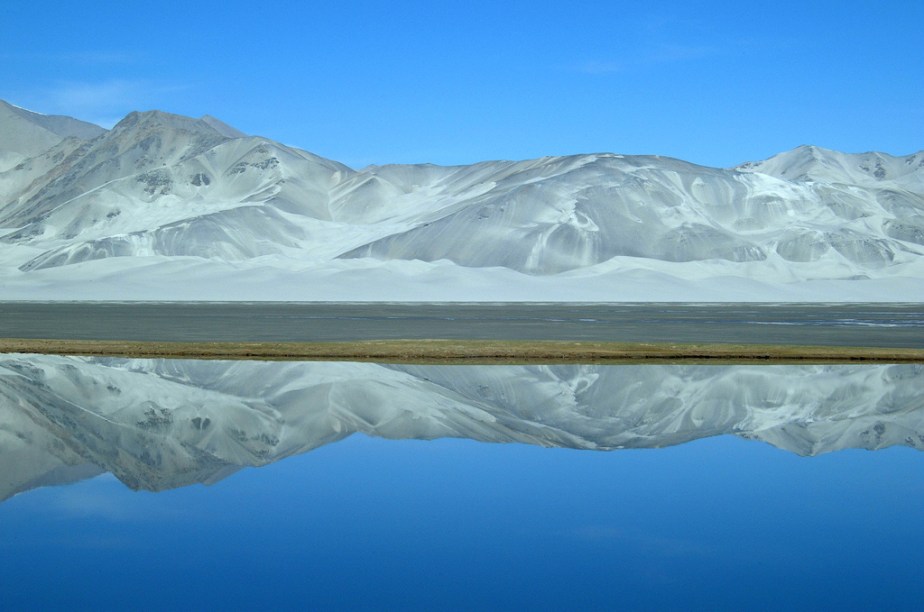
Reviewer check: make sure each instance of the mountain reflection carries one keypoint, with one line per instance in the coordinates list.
(159, 424)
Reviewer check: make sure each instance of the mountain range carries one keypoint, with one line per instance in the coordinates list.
(160, 424)
(163, 206)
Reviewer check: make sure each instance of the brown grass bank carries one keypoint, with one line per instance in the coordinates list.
(469, 351)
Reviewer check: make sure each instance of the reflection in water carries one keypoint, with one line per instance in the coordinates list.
(159, 424)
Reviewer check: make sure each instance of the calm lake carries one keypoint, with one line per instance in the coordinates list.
(361, 485)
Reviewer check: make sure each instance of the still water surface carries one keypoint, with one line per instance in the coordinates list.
(459, 487)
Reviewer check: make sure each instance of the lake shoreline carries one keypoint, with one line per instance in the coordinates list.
(475, 352)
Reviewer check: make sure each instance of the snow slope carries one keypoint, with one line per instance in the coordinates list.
(158, 424)
(168, 207)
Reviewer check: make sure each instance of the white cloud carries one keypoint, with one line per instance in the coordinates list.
(103, 102)
(649, 543)
(86, 58)
(664, 54)
(597, 67)
(98, 57)
(95, 96)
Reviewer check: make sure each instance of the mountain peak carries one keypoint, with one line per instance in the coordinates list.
(814, 163)
(156, 119)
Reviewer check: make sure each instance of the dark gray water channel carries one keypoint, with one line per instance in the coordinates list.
(887, 325)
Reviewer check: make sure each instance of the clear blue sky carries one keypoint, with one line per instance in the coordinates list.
(716, 83)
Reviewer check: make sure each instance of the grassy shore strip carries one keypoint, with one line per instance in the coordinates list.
(468, 351)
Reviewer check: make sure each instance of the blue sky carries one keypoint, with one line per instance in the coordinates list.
(716, 83)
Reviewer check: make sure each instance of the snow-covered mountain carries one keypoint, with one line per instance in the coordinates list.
(168, 207)
(158, 424)
(24, 134)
